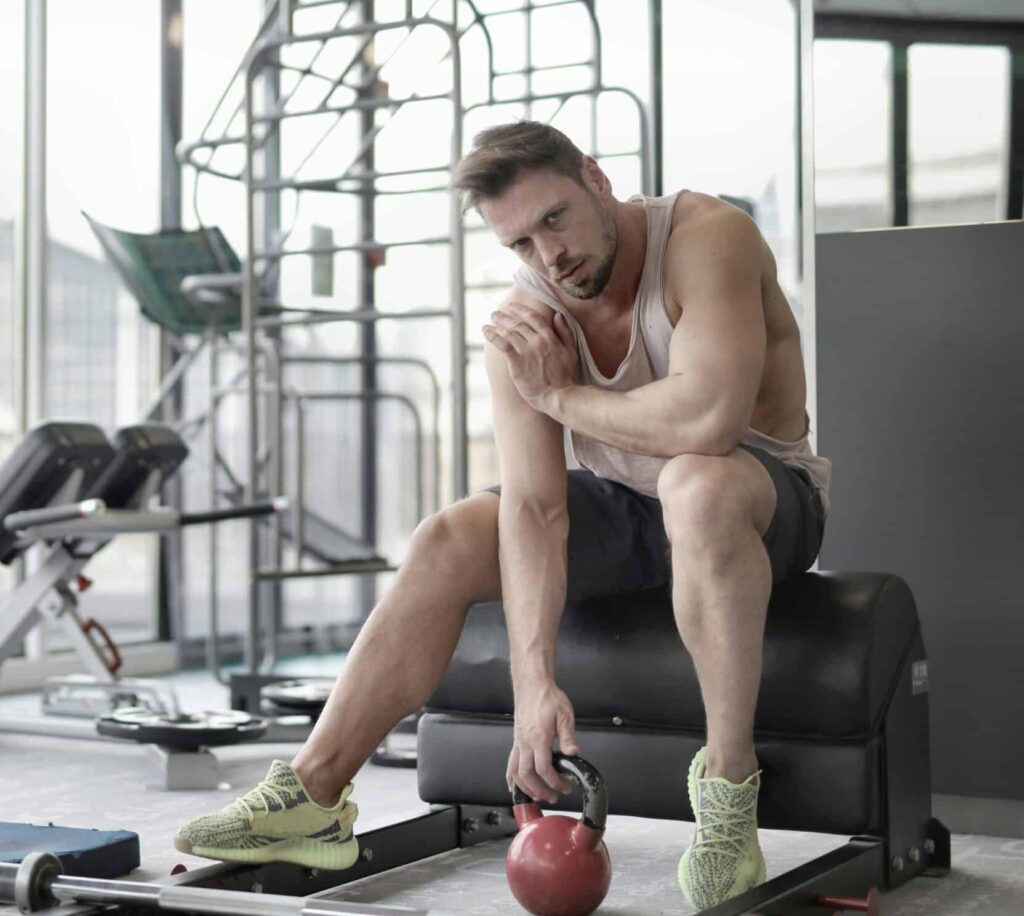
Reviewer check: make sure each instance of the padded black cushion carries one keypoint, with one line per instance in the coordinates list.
(808, 784)
(834, 642)
(42, 464)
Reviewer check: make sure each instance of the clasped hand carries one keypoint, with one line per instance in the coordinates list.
(540, 352)
(543, 713)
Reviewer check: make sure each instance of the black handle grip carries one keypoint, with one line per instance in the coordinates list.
(222, 515)
(585, 775)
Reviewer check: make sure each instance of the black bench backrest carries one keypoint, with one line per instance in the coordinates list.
(53, 457)
(145, 456)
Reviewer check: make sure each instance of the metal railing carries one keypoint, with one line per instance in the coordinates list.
(251, 121)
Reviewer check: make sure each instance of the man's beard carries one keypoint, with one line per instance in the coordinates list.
(594, 285)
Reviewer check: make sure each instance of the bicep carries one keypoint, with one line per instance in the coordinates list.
(720, 339)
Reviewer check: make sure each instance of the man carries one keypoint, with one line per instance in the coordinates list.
(656, 332)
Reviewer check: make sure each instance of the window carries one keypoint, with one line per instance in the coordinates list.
(103, 130)
(959, 128)
(852, 135)
(12, 44)
(730, 103)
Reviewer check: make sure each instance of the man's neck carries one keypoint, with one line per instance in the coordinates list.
(620, 292)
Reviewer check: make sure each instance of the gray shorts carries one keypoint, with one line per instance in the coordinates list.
(617, 541)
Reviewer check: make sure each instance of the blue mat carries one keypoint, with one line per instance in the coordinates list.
(85, 852)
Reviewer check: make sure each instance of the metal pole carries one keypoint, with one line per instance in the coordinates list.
(457, 278)
(213, 458)
(170, 549)
(1015, 147)
(30, 247)
(300, 483)
(807, 231)
(268, 216)
(32, 285)
(46, 886)
(252, 633)
(657, 96)
(368, 335)
(900, 136)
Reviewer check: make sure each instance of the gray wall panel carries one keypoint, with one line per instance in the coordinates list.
(921, 410)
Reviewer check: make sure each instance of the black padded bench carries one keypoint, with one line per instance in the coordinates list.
(841, 729)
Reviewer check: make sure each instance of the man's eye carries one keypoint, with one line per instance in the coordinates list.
(553, 217)
(519, 244)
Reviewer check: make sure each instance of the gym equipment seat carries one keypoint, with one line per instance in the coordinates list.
(841, 728)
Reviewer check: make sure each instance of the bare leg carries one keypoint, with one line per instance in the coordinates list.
(716, 516)
(405, 646)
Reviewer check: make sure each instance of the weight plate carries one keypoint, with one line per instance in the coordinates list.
(32, 884)
(187, 731)
(308, 694)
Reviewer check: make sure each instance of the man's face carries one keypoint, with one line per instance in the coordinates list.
(559, 228)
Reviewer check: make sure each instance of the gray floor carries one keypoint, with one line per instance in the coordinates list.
(94, 784)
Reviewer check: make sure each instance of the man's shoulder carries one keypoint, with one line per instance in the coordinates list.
(709, 233)
(530, 289)
(696, 210)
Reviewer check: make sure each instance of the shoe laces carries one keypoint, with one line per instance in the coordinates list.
(723, 830)
(258, 800)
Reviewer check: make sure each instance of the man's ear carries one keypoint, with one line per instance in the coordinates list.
(594, 178)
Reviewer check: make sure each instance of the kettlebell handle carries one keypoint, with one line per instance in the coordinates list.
(595, 795)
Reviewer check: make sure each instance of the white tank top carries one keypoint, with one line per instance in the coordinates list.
(647, 361)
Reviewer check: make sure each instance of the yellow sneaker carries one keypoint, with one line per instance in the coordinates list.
(276, 822)
(724, 859)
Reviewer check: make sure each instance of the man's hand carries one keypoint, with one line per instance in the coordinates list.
(540, 352)
(542, 713)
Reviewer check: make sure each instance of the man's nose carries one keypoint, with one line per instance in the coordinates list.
(551, 252)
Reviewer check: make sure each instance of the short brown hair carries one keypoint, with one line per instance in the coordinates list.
(500, 154)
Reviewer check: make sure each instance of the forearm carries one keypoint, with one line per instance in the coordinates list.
(655, 419)
(532, 551)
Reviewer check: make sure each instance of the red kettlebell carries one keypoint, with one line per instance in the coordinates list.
(556, 865)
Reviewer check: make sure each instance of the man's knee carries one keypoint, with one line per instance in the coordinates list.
(463, 533)
(700, 495)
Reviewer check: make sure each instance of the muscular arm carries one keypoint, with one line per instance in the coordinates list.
(716, 354)
(533, 524)
(533, 528)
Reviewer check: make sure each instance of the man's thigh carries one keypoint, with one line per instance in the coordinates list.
(794, 536)
(617, 541)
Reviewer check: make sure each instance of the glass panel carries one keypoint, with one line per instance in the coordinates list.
(216, 36)
(12, 45)
(959, 133)
(103, 129)
(852, 135)
(730, 91)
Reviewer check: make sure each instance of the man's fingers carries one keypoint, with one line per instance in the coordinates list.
(521, 773)
(529, 780)
(513, 766)
(494, 336)
(567, 735)
(564, 333)
(508, 341)
(509, 322)
(530, 316)
(523, 320)
(546, 770)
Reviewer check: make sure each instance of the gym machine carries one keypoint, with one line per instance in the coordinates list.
(69, 490)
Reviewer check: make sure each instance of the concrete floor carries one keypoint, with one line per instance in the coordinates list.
(109, 785)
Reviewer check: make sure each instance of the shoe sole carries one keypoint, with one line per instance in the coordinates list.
(762, 877)
(298, 851)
